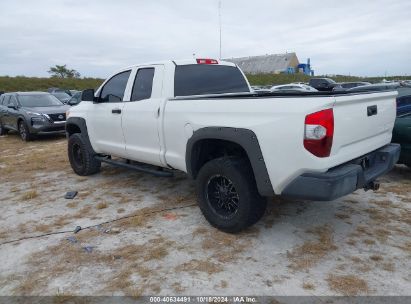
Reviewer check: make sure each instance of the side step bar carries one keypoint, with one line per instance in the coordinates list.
(140, 168)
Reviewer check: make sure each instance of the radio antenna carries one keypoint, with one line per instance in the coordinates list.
(219, 21)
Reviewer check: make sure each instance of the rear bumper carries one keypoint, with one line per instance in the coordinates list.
(405, 157)
(346, 178)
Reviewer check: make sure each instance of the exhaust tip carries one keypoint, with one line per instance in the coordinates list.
(374, 186)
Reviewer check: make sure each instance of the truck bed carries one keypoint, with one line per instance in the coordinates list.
(277, 94)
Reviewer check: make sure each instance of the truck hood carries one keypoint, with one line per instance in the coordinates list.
(48, 110)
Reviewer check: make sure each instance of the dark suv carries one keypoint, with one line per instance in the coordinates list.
(31, 113)
(323, 84)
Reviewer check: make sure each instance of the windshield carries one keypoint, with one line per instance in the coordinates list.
(41, 100)
(61, 95)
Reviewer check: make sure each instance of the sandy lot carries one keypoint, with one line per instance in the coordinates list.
(146, 236)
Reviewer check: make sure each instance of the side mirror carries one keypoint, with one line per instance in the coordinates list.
(88, 95)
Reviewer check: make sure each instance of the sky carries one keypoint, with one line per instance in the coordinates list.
(98, 37)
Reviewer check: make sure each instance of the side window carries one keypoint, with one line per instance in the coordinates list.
(13, 100)
(143, 84)
(6, 100)
(113, 90)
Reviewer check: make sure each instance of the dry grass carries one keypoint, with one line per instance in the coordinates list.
(195, 265)
(141, 217)
(405, 247)
(15, 189)
(29, 195)
(376, 258)
(381, 216)
(132, 258)
(348, 285)
(311, 252)
(102, 205)
(57, 222)
(351, 242)
(308, 286)
(84, 194)
(65, 258)
(124, 200)
(72, 205)
(373, 232)
(177, 287)
(402, 189)
(368, 242)
(44, 228)
(224, 247)
(388, 267)
(4, 235)
(32, 159)
(405, 216)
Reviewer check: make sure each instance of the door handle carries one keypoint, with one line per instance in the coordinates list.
(372, 110)
(116, 111)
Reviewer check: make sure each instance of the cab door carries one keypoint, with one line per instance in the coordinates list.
(13, 113)
(142, 115)
(104, 120)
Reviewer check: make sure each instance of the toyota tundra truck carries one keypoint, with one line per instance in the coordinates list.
(200, 116)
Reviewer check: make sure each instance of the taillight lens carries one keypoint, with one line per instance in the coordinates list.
(319, 132)
(207, 61)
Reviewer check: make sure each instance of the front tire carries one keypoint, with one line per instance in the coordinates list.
(228, 195)
(24, 131)
(81, 159)
(3, 131)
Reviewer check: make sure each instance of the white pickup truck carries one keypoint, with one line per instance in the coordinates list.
(200, 116)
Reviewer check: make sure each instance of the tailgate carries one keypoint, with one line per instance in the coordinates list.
(363, 122)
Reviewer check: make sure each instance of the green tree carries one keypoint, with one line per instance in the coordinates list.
(61, 71)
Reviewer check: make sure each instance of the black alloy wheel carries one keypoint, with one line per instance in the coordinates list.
(222, 196)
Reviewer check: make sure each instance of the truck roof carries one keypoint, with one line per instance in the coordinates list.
(184, 62)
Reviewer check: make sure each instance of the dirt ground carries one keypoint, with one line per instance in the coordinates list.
(144, 235)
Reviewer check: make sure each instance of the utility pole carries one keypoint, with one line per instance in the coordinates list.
(219, 21)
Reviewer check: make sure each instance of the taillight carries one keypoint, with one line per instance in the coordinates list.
(319, 132)
(207, 61)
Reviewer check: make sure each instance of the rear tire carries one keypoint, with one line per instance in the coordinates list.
(24, 131)
(228, 195)
(81, 159)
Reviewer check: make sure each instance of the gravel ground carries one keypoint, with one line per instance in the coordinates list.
(144, 235)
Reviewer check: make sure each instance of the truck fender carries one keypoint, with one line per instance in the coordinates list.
(78, 125)
(246, 139)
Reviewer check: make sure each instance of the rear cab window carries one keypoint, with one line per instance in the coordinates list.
(143, 84)
(203, 79)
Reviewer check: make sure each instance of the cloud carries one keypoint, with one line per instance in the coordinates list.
(97, 37)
